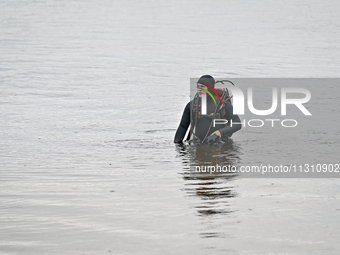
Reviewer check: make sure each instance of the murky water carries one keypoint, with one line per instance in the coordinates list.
(91, 94)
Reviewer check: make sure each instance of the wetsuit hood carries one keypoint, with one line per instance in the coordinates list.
(207, 80)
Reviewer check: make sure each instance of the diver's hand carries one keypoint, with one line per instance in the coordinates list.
(217, 133)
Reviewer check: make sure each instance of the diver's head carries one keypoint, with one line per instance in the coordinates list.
(203, 84)
(206, 80)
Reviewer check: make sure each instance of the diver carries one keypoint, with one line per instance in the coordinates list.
(202, 129)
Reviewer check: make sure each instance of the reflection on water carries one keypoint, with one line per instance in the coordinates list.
(213, 188)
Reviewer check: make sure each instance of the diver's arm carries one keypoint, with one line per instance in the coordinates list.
(229, 130)
(183, 126)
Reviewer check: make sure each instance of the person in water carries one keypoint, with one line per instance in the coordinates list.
(202, 128)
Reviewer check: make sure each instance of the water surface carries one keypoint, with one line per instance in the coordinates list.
(91, 94)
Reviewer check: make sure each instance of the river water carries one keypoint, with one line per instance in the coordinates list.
(92, 92)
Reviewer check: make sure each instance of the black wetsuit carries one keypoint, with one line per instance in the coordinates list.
(203, 124)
